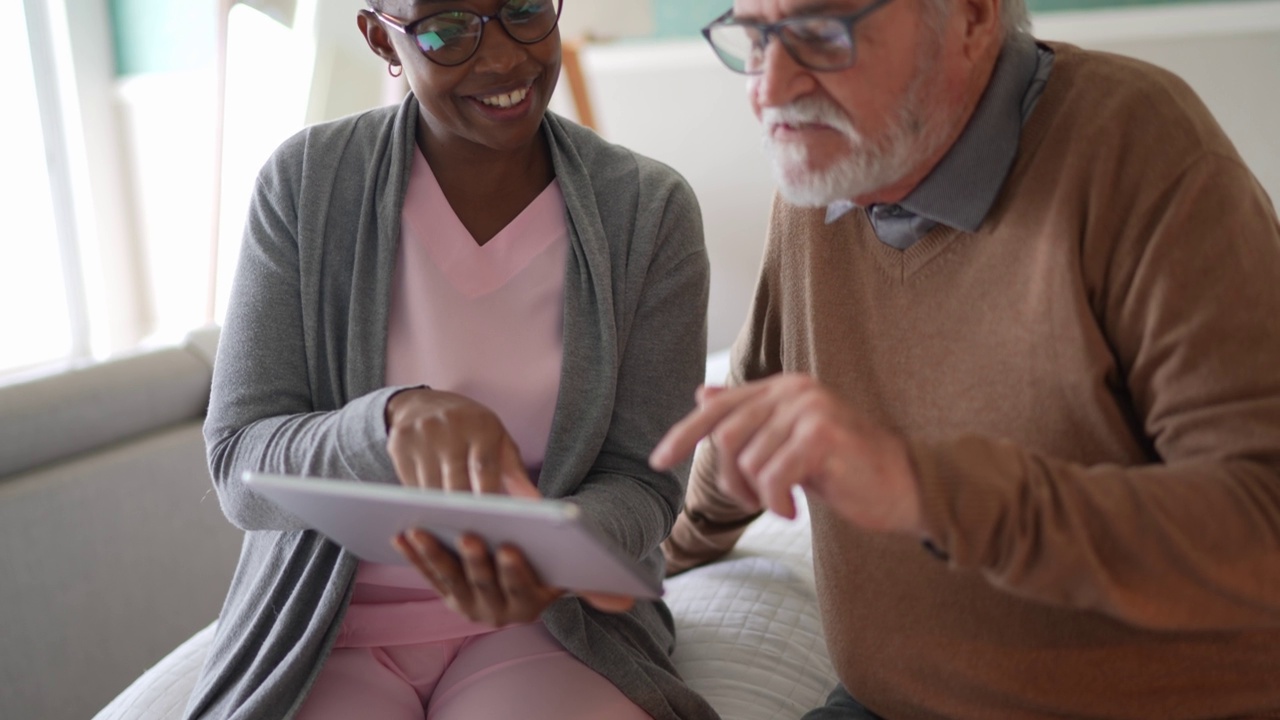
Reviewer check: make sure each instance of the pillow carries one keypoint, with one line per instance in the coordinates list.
(748, 631)
(161, 693)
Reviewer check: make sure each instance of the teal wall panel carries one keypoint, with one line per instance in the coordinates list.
(676, 18)
(163, 35)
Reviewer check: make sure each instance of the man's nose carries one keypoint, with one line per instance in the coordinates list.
(782, 79)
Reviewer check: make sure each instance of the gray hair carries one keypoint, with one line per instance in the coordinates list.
(1013, 16)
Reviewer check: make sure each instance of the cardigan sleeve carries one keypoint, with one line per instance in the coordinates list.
(1190, 541)
(263, 415)
(661, 361)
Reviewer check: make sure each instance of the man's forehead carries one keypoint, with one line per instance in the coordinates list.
(431, 5)
(777, 9)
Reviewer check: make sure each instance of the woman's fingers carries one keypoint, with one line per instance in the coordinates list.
(498, 469)
(443, 440)
(605, 602)
(496, 589)
(485, 466)
(437, 564)
(515, 480)
(493, 589)
(489, 604)
(455, 467)
(526, 596)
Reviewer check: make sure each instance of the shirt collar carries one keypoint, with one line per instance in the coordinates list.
(963, 186)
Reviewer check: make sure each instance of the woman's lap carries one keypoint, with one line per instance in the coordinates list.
(514, 672)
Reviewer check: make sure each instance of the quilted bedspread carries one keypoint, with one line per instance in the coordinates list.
(748, 634)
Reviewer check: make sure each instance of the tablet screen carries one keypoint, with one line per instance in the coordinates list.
(564, 550)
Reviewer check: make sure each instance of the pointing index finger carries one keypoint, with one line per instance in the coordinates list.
(683, 437)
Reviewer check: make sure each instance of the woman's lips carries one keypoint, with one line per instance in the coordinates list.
(507, 104)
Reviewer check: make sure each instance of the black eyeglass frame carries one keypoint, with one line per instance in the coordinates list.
(408, 28)
(769, 30)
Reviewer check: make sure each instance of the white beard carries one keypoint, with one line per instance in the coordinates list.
(809, 180)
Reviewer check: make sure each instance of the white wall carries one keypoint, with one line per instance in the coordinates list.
(1229, 53)
(606, 18)
(672, 100)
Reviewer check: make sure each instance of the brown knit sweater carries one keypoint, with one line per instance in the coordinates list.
(1091, 388)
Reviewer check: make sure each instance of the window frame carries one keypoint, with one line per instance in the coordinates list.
(72, 57)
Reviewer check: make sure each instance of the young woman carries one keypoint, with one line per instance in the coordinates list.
(463, 292)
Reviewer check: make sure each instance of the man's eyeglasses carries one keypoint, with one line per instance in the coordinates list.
(452, 37)
(817, 42)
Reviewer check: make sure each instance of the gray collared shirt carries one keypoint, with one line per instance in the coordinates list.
(961, 189)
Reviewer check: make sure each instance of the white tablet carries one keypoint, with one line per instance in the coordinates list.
(565, 551)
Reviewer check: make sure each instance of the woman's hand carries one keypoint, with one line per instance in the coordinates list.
(493, 588)
(442, 440)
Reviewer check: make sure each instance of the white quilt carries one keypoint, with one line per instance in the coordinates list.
(748, 634)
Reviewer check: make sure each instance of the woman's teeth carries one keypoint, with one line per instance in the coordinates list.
(506, 100)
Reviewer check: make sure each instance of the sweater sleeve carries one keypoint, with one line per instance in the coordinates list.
(1190, 303)
(263, 415)
(711, 522)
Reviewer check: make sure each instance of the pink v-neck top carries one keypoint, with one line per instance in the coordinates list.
(486, 322)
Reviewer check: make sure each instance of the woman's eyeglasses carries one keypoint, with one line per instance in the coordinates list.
(817, 42)
(452, 37)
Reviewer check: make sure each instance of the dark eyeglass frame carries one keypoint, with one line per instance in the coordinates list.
(771, 30)
(408, 27)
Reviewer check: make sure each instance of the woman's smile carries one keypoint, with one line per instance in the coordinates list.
(505, 104)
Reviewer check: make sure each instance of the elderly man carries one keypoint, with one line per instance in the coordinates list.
(1017, 338)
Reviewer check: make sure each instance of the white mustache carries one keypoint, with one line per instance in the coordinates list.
(809, 111)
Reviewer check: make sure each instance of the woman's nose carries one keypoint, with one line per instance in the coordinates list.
(498, 53)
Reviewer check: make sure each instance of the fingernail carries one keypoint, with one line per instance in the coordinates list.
(657, 459)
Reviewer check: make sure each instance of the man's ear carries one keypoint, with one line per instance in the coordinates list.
(377, 37)
(982, 25)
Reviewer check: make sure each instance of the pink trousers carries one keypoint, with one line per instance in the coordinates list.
(419, 660)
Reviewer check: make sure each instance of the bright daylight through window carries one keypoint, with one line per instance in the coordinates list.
(34, 320)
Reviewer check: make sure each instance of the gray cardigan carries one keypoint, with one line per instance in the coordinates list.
(298, 388)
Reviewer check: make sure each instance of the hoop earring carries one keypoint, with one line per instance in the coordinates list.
(391, 70)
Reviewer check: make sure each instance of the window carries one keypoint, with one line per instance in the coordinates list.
(109, 180)
(41, 313)
(73, 282)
